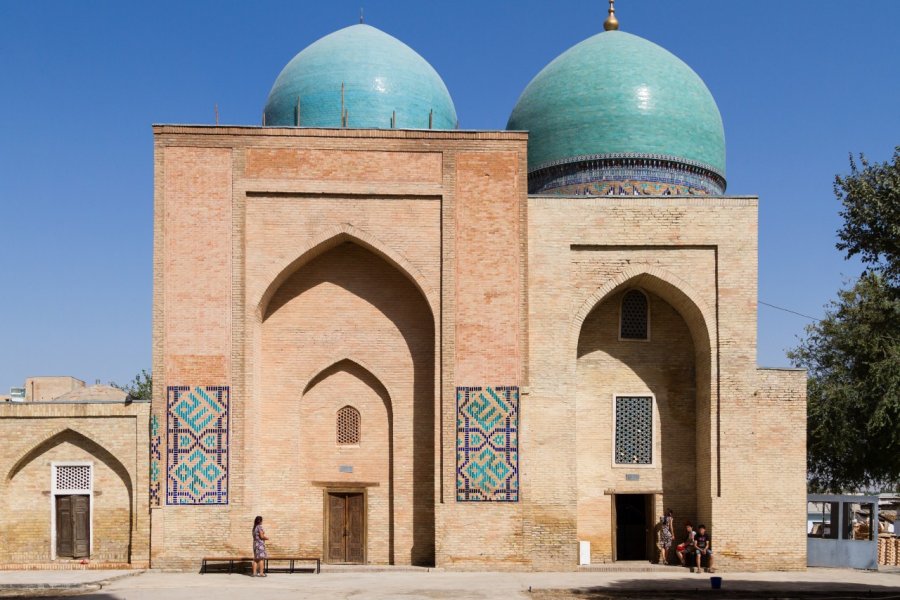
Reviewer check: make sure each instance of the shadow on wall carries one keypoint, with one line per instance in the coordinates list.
(665, 366)
(365, 376)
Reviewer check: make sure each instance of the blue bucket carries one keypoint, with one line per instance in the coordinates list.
(716, 583)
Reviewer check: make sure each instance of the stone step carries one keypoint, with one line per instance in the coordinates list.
(631, 566)
(327, 568)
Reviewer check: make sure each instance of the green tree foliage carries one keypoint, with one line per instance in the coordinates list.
(871, 199)
(853, 354)
(853, 357)
(140, 388)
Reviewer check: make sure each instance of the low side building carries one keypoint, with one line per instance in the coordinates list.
(73, 481)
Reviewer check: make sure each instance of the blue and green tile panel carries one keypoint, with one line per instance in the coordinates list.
(197, 445)
(155, 457)
(487, 444)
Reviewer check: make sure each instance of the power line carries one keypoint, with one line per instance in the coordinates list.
(793, 312)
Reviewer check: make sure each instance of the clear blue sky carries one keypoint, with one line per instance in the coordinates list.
(800, 84)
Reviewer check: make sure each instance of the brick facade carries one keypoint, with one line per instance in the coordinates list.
(309, 270)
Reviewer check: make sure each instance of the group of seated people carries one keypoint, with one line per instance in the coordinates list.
(696, 547)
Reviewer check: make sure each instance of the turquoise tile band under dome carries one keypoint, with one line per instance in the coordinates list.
(619, 96)
(382, 78)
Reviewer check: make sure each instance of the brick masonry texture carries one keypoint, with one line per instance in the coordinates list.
(113, 438)
(310, 270)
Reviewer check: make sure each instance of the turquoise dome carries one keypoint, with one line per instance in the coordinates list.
(381, 77)
(616, 95)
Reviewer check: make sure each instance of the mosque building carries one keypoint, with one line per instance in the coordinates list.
(406, 343)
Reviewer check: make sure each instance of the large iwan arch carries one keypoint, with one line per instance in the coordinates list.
(354, 305)
(668, 374)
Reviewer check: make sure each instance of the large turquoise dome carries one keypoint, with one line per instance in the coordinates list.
(385, 84)
(619, 112)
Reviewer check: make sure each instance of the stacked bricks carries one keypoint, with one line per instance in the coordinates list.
(888, 551)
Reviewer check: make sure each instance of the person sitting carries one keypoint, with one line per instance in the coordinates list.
(686, 548)
(703, 544)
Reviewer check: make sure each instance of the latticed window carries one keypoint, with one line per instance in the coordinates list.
(634, 430)
(634, 322)
(348, 426)
(73, 478)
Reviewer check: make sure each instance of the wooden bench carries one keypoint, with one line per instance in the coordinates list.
(295, 559)
(231, 560)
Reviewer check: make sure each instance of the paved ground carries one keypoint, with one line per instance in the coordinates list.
(815, 583)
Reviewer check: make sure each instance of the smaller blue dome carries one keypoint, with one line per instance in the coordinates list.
(382, 78)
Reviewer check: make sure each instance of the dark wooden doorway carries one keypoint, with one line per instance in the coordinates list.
(632, 526)
(346, 527)
(73, 526)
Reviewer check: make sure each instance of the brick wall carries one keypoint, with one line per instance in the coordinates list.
(110, 436)
(414, 260)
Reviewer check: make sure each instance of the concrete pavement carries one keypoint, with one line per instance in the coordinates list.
(381, 585)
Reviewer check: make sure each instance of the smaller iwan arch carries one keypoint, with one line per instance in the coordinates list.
(333, 237)
(367, 375)
(333, 363)
(85, 443)
(671, 288)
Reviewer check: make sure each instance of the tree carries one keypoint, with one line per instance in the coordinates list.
(853, 354)
(853, 419)
(140, 388)
(871, 199)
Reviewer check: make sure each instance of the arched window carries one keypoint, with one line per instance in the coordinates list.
(634, 321)
(348, 426)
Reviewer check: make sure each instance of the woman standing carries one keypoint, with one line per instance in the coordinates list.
(667, 534)
(259, 549)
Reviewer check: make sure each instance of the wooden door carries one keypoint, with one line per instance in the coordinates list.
(73, 526)
(65, 538)
(81, 516)
(337, 508)
(346, 528)
(355, 528)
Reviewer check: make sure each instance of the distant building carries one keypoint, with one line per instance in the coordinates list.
(44, 388)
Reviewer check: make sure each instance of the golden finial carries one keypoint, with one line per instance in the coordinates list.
(611, 23)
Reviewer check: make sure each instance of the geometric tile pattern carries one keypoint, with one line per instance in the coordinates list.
(634, 430)
(626, 174)
(633, 319)
(155, 457)
(487, 444)
(197, 445)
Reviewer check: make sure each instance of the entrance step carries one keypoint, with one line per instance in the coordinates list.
(326, 568)
(631, 566)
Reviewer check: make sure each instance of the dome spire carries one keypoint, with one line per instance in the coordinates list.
(611, 23)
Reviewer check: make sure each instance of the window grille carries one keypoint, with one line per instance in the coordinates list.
(634, 430)
(634, 322)
(73, 478)
(348, 426)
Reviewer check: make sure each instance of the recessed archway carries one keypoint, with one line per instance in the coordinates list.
(350, 301)
(111, 494)
(671, 369)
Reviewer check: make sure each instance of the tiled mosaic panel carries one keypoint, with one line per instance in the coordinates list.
(487, 444)
(197, 445)
(634, 430)
(635, 177)
(155, 457)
